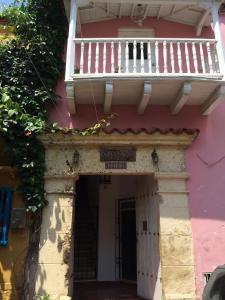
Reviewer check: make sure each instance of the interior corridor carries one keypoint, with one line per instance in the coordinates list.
(116, 241)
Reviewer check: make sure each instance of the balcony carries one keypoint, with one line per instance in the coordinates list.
(146, 58)
(146, 71)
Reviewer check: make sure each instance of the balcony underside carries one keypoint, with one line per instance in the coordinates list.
(142, 92)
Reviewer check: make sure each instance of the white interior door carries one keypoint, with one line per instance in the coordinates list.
(148, 255)
(137, 33)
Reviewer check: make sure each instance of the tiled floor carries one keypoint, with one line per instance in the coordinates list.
(105, 291)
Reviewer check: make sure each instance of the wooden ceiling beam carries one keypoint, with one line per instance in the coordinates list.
(146, 11)
(201, 22)
(155, 2)
(133, 10)
(120, 10)
(159, 12)
(108, 8)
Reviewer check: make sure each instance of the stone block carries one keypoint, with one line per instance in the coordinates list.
(51, 279)
(176, 250)
(56, 218)
(174, 200)
(179, 282)
(171, 185)
(53, 250)
(174, 226)
(54, 185)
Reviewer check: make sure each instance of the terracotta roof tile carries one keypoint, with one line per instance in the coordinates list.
(151, 130)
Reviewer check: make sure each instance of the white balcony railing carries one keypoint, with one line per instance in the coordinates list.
(146, 57)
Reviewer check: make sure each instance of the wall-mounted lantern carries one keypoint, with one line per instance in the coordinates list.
(76, 158)
(155, 158)
(75, 161)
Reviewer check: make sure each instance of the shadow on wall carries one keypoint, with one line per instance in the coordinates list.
(55, 248)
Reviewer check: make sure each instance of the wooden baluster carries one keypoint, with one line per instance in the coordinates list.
(165, 56)
(195, 57)
(142, 58)
(82, 58)
(104, 58)
(216, 58)
(172, 57)
(97, 58)
(179, 57)
(127, 57)
(119, 58)
(112, 58)
(187, 58)
(89, 58)
(202, 58)
(135, 57)
(157, 56)
(209, 57)
(149, 58)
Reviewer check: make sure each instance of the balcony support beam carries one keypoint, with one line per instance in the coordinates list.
(217, 97)
(147, 92)
(70, 97)
(108, 97)
(218, 36)
(182, 98)
(70, 56)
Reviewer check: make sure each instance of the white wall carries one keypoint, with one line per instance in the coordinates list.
(120, 187)
(106, 232)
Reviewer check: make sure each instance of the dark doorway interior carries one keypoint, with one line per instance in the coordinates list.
(106, 291)
(86, 231)
(104, 226)
(128, 240)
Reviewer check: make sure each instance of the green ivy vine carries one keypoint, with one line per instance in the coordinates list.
(30, 66)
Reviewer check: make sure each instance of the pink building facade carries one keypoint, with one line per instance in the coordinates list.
(205, 158)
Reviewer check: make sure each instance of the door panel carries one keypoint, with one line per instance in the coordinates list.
(148, 255)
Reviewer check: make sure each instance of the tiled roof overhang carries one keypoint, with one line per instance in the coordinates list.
(151, 130)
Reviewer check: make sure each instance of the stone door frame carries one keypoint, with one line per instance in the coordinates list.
(55, 265)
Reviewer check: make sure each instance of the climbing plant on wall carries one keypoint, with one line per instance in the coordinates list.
(30, 66)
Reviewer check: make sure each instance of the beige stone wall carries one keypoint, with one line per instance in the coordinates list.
(53, 273)
(177, 263)
(178, 278)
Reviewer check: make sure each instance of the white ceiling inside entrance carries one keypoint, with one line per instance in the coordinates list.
(193, 12)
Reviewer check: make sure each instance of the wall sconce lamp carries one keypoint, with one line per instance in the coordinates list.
(75, 161)
(155, 158)
(76, 158)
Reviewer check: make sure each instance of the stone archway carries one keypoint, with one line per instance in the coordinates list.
(177, 264)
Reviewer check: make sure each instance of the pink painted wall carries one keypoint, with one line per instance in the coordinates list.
(205, 159)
